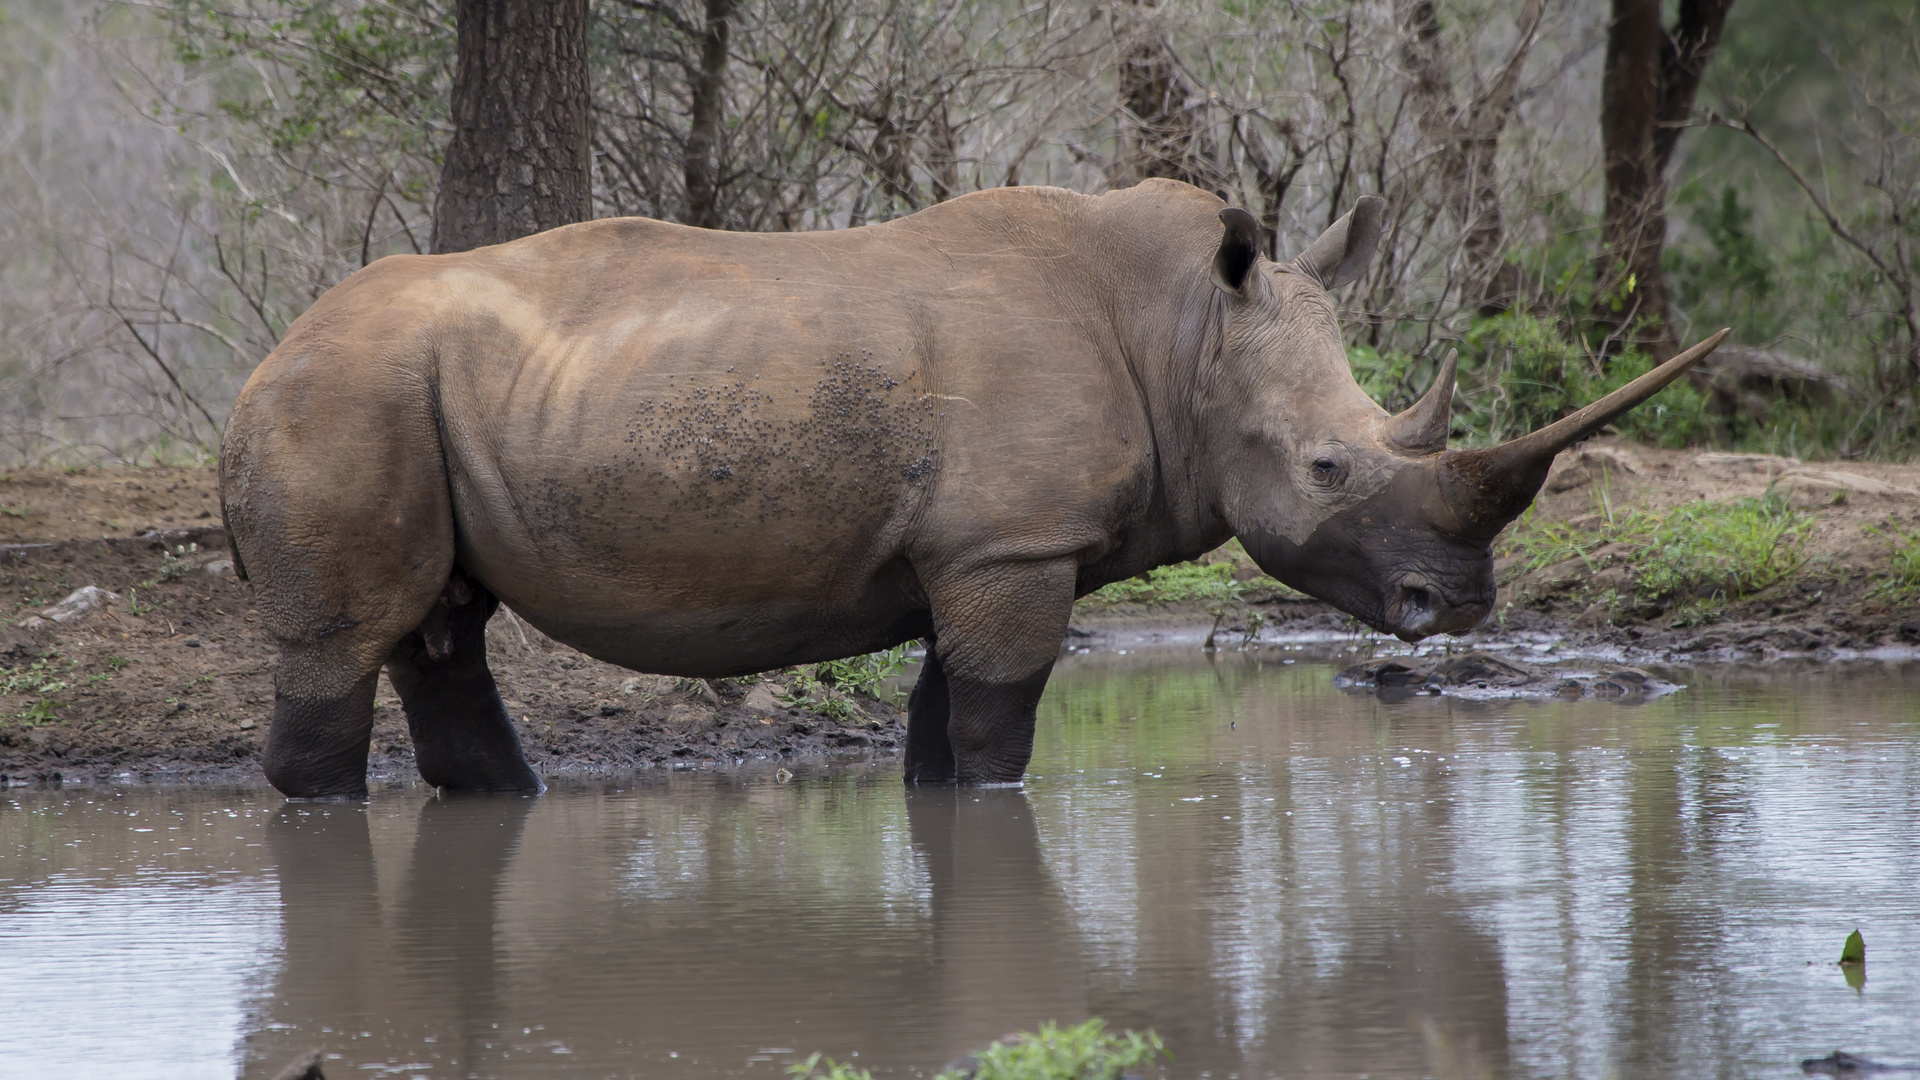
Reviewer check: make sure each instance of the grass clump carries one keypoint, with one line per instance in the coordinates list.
(1722, 550)
(1705, 551)
(42, 676)
(829, 688)
(1211, 580)
(1081, 1052)
(1903, 562)
(41, 679)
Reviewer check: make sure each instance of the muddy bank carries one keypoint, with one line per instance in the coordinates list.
(158, 670)
(161, 671)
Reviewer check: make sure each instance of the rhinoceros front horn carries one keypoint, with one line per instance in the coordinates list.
(1486, 489)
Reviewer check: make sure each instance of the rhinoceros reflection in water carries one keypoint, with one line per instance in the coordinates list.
(706, 454)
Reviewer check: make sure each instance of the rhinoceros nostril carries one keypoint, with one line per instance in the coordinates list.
(1415, 600)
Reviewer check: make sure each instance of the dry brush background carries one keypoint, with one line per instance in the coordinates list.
(179, 179)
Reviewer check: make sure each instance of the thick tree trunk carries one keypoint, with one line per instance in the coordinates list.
(702, 167)
(1652, 75)
(519, 161)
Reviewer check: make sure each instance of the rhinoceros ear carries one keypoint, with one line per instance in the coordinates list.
(1239, 251)
(1344, 250)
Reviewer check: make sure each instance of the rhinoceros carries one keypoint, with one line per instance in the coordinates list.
(708, 454)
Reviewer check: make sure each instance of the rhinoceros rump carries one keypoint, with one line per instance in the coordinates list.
(706, 454)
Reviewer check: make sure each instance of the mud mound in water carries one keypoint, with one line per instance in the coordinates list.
(144, 656)
(1483, 675)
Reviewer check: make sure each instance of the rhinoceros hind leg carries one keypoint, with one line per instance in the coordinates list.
(929, 753)
(463, 739)
(317, 748)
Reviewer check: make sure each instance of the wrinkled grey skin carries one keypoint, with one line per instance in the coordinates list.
(707, 454)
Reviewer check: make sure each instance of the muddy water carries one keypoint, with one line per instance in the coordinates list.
(1283, 878)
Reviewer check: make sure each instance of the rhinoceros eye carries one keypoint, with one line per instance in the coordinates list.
(1326, 471)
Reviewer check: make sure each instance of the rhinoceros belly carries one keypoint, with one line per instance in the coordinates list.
(703, 522)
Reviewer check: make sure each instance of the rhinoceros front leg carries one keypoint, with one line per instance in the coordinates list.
(463, 739)
(997, 630)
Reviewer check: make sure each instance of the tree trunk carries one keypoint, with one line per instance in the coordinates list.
(1652, 74)
(702, 167)
(1465, 145)
(519, 161)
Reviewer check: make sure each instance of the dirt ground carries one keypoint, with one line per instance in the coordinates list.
(1836, 601)
(167, 676)
(162, 671)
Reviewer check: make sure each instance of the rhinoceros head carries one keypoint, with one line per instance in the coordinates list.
(1368, 511)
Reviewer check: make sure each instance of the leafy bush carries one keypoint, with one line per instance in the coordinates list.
(862, 674)
(828, 688)
(1082, 1052)
(1523, 374)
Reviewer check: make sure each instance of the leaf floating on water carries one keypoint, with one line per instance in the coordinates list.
(1855, 950)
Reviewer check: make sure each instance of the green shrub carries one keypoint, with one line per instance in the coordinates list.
(1082, 1052)
(1523, 373)
(862, 674)
(828, 688)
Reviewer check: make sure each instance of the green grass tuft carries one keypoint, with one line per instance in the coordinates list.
(829, 688)
(1705, 551)
(1208, 581)
(1903, 570)
(1081, 1052)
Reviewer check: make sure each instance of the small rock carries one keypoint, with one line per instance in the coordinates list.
(707, 693)
(248, 724)
(78, 603)
(608, 708)
(760, 700)
(193, 643)
(684, 717)
(220, 568)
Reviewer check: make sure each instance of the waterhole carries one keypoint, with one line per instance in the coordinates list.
(1282, 878)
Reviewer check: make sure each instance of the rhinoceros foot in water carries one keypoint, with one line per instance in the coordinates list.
(707, 454)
